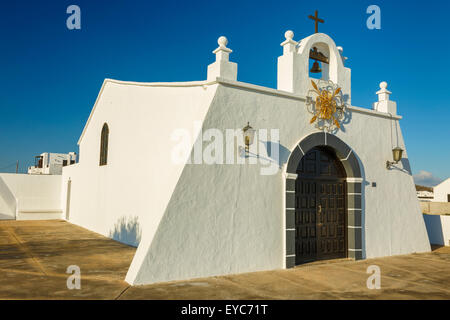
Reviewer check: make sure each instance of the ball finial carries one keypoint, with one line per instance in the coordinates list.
(289, 35)
(222, 41)
(383, 85)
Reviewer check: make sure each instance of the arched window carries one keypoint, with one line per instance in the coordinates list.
(104, 145)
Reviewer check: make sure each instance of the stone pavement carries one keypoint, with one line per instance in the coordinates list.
(34, 256)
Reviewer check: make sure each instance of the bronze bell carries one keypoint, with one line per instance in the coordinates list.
(315, 68)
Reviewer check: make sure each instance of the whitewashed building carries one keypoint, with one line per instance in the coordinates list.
(52, 163)
(436, 209)
(163, 166)
(442, 191)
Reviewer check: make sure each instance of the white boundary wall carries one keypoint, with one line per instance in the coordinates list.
(30, 197)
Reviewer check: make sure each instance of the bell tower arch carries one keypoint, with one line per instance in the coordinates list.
(294, 65)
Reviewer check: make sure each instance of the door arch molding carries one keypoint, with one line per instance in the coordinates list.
(354, 192)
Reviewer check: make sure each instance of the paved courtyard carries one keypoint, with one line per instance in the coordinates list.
(34, 256)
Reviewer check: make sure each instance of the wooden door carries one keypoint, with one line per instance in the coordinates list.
(331, 220)
(320, 212)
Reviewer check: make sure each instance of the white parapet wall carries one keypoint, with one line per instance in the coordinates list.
(30, 197)
(438, 228)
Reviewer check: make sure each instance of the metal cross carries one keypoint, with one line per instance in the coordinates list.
(317, 20)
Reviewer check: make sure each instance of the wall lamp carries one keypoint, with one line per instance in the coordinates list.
(249, 136)
(397, 153)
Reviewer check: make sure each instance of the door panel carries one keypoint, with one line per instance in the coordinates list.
(320, 212)
(305, 222)
(331, 213)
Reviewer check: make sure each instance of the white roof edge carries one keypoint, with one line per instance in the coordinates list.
(143, 84)
(299, 97)
(255, 87)
(374, 113)
(92, 111)
(164, 84)
(223, 81)
(445, 180)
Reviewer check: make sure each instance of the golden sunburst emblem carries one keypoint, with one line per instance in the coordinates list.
(324, 101)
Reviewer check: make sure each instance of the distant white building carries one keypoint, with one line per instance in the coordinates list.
(425, 195)
(437, 219)
(442, 191)
(52, 163)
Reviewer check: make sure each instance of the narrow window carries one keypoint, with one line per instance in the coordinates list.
(104, 145)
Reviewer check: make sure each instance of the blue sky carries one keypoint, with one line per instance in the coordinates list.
(50, 76)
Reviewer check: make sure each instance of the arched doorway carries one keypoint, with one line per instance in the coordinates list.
(320, 208)
(346, 174)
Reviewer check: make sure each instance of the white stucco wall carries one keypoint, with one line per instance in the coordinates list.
(126, 198)
(438, 228)
(229, 218)
(442, 191)
(32, 196)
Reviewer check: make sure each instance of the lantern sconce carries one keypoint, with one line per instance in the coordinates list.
(397, 153)
(249, 136)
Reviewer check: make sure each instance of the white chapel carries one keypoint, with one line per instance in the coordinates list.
(219, 176)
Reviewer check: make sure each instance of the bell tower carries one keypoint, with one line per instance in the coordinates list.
(295, 64)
